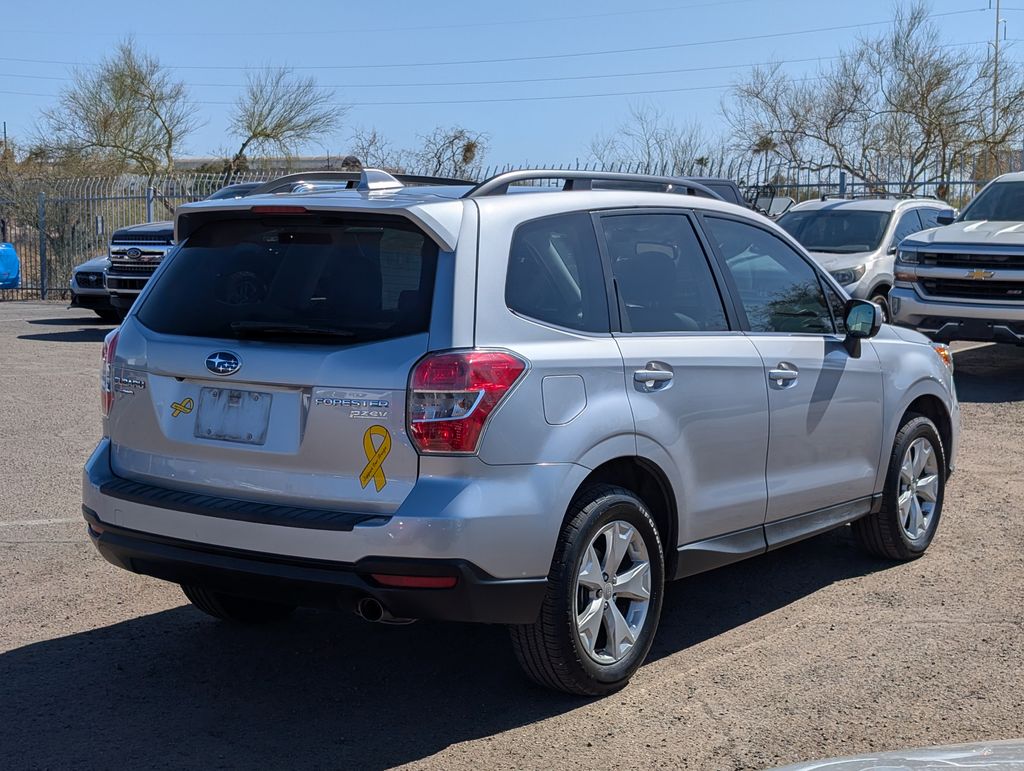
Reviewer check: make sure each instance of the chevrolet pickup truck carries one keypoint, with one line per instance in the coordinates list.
(965, 280)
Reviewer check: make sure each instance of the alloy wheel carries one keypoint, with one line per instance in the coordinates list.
(919, 488)
(613, 592)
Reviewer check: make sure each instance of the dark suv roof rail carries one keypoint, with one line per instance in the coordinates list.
(584, 180)
(288, 181)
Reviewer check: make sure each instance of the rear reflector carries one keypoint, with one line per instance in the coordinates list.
(415, 582)
(280, 210)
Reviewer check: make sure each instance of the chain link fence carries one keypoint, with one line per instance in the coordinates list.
(58, 224)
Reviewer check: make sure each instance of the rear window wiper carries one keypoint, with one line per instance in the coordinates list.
(288, 328)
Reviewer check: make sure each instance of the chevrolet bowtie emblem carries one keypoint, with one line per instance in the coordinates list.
(979, 274)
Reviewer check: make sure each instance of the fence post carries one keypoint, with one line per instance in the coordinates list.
(42, 245)
(150, 194)
(842, 183)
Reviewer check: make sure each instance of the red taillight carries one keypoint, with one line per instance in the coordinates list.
(415, 582)
(451, 395)
(106, 373)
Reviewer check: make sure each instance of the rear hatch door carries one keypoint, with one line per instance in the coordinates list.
(269, 363)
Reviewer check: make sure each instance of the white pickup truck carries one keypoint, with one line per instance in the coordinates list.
(965, 280)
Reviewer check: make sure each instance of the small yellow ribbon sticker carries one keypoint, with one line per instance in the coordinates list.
(182, 407)
(375, 456)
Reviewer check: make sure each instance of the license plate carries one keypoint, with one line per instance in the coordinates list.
(230, 415)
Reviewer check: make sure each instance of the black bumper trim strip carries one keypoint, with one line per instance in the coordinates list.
(230, 508)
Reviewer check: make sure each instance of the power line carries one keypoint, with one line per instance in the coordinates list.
(542, 57)
(421, 28)
(510, 81)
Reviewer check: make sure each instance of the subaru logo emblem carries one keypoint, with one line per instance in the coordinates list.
(133, 253)
(223, 363)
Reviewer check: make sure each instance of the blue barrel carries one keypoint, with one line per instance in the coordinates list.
(10, 267)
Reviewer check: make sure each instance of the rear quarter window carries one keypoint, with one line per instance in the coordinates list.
(305, 279)
(555, 274)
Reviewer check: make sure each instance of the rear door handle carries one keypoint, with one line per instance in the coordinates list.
(649, 379)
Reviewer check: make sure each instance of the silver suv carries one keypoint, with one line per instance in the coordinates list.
(511, 404)
(855, 239)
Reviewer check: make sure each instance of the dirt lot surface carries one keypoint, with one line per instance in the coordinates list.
(808, 652)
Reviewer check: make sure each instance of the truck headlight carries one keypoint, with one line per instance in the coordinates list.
(848, 276)
(908, 256)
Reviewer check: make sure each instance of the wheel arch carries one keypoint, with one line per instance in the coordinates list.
(651, 484)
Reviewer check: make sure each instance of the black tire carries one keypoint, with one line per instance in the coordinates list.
(882, 533)
(108, 314)
(242, 610)
(549, 650)
(881, 298)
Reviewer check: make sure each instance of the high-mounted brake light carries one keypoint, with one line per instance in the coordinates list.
(280, 210)
(451, 396)
(106, 372)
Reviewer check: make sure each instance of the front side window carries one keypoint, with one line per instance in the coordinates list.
(662, 274)
(554, 273)
(323, 279)
(778, 288)
(908, 224)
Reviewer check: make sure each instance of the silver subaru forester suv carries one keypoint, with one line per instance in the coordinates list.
(522, 404)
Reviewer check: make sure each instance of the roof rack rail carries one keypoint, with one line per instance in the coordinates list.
(584, 180)
(288, 181)
(879, 196)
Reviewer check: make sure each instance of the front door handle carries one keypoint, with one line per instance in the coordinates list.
(783, 374)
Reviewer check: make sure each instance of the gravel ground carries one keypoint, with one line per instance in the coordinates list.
(809, 652)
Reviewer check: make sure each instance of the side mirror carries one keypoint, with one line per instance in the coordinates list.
(863, 320)
(892, 249)
(947, 217)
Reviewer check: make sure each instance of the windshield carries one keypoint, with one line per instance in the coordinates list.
(1001, 202)
(302, 279)
(842, 231)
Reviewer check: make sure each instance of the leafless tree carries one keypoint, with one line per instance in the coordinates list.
(651, 140)
(454, 151)
(903, 104)
(376, 151)
(279, 111)
(129, 110)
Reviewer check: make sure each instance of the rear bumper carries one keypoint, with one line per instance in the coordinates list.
(493, 527)
(476, 596)
(960, 320)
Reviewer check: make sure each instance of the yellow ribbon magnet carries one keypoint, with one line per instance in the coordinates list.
(375, 456)
(182, 407)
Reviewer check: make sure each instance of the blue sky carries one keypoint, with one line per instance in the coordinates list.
(399, 51)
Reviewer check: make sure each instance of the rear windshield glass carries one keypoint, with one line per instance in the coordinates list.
(304, 279)
(837, 230)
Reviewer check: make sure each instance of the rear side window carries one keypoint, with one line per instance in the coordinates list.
(554, 273)
(663, 277)
(304, 279)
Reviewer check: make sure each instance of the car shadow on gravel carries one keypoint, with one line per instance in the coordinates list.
(991, 374)
(85, 320)
(175, 688)
(84, 335)
(90, 329)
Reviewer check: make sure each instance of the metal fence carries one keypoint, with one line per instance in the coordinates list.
(58, 224)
